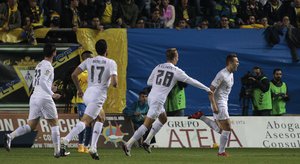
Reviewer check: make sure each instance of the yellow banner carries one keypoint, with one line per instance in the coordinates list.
(12, 36)
(117, 50)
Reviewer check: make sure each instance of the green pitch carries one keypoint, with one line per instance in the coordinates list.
(158, 156)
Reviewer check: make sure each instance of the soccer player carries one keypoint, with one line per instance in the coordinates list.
(101, 72)
(41, 102)
(85, 136)
(162, 79)
(221, 86)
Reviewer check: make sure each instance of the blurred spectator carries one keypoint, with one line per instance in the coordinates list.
(87, 10)
(230, 9)
(203, 25)
(264, 21)
(156, 20)
(109, 12)
(286, 22)
(140, 23)
(187, 12)
(10, 17)
(271, 10)
(96, 24)
(28, 33)
(168, 13)
(251, 8)
(54, 20)
(251, 23)
(155, 4)
(292, 10)
(224, 23)
(138, 110)
(209, 10)
(261, 96)
(130, 13)
(279, 92)
(53, 6)
(71, 17)
(144, 7)
(182, 24)
(34, 12)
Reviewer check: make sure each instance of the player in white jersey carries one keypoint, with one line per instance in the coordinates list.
(162, 79)
(221, 86)
(101, 72)
(41, 104)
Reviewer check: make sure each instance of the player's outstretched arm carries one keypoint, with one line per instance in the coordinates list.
(74, 76)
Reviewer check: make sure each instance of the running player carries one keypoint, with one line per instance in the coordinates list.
(162, 79)
(221, 86)
(41, 102)
(101, 72)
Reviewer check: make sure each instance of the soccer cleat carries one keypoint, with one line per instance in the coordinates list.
(196, 115)
(146, 147)
(86, 150)
(80, 148)
(63, 147)
(57, 155)
(7, 142)
(94, 154)
(126, 150)
(224, 154)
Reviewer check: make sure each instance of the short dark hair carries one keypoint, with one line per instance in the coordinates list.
(101, 47)
(143, 93)
(49, 48)
(230, 57)
(86, 54)
(170, 53)
(276, 69)
(256, 67)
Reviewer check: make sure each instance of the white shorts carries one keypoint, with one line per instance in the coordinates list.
(155, 109)
(42, 108)
(94, 101)
(223, 112)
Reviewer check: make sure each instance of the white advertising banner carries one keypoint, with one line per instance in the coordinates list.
(255, 132)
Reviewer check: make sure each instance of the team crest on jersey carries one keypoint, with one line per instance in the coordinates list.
(113, 134)
(25, 71)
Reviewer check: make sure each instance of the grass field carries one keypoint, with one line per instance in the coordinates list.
(158, 156)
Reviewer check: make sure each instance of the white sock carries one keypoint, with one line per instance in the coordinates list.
(136, 136)
(75, 131)
(21, 130)
(96, 134)
(55, 138)
(156, 126)
(212, 124)
(223, 140)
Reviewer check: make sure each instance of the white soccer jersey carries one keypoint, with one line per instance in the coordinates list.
(223, 83)
(43, 79)
(99, 70)
(164, 77)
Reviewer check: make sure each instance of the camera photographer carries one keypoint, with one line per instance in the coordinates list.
(279, 93)
(261, 95)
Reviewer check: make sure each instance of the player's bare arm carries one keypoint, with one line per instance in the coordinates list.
(212, 100)
(114, 80)
(74, 76)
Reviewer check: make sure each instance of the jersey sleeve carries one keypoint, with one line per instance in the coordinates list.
(151, 77)
(113, 68)
(218, 80)
(83, 65)
(183, 77)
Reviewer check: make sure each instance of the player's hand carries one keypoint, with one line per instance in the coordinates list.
(54, 88)
(56, 96)
(210, 92)
(79, 93)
